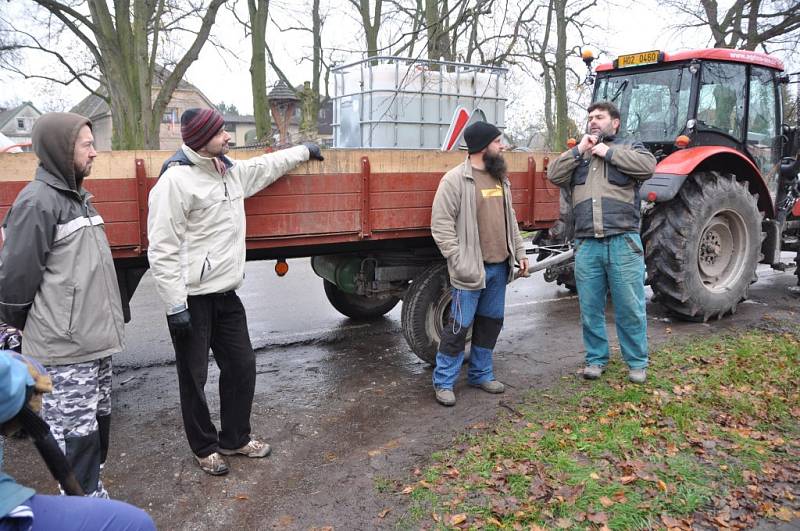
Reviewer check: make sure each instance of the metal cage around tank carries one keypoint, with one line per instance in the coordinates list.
(402, 103)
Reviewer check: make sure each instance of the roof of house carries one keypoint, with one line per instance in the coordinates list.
(239, 119)
(94, 106)
(8, 114)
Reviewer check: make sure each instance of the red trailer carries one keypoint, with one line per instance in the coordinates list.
(362, 215)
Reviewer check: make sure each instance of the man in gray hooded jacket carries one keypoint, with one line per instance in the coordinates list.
(58, 284)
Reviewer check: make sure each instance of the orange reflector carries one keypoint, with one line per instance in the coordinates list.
(281, 268)
(682, 141)
(651, 196)
(571, 143)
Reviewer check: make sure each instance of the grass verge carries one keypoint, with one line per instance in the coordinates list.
(712, 440)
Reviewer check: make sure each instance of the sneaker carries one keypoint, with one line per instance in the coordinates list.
(593, 372)
(445, 397)
(252, 449)
(213, 464)
(637, 375)
(491, 386)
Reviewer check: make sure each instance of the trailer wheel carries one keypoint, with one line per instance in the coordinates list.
(702, 248)
(426, 311)
(358, 306)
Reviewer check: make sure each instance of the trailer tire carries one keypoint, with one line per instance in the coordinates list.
(702, 247)
(358, 306)
(426, 310)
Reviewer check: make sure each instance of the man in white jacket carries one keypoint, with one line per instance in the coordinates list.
(196, 229)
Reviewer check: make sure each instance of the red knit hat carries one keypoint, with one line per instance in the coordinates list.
(198, 126)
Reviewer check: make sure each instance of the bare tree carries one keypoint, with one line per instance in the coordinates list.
(9, 47)
(746, 24)
(550, 46)
(124, 43)
(371, 20)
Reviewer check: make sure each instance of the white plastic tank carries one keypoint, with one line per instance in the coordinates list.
(391, 102)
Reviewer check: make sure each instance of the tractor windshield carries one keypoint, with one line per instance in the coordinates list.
(653, 105)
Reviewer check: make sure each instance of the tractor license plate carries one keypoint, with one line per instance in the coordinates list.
(636, 59)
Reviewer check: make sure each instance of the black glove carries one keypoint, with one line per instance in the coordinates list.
(314, 153)
(180, 324)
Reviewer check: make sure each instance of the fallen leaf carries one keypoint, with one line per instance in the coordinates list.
(563, 523)
(457, 519)
(662, 486)
(436, 517)
(669, 521)
(785, 514)
(595, 476)
(407, 490)
(627, 479)
(619, 496)
(538, 489)
(384, 512)
(242, 497)
(597, 518)
(605, 501)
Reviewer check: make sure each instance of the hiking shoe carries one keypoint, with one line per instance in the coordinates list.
(491, 386)
(593, 372)
(445, 397)
(213, 464)
(637, 375)
(252, 449)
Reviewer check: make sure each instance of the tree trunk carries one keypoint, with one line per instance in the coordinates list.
(316, 23)
(560, 74)
(259, 11)
(372, 23)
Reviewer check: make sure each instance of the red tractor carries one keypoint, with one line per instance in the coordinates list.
(724, 194)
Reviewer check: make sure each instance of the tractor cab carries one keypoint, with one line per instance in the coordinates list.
(713, 97)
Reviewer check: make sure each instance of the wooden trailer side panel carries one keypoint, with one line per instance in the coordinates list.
(354, 195)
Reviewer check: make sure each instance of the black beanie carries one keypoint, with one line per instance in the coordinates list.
(479, 135)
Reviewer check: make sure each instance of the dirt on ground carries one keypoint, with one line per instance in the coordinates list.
(345, 416)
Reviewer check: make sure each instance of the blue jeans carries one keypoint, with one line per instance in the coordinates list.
(73, 513)
(615, 264)
(488, 305)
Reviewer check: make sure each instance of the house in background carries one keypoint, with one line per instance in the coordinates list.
(184, 97)
(16, 123)
(242, 129)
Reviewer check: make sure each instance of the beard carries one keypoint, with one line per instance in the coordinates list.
(80, 173)
(495, 165)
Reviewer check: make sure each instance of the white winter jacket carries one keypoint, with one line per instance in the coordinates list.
(196, 222)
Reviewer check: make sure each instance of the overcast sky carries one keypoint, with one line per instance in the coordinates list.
(224, 76)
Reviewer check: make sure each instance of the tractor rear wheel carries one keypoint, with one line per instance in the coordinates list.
(702, 247)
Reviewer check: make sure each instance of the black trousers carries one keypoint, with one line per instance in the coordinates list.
(219, 323)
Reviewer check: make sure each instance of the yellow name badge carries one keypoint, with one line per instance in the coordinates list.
(497, 191)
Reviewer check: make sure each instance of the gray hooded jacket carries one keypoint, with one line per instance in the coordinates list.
(57, 278)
